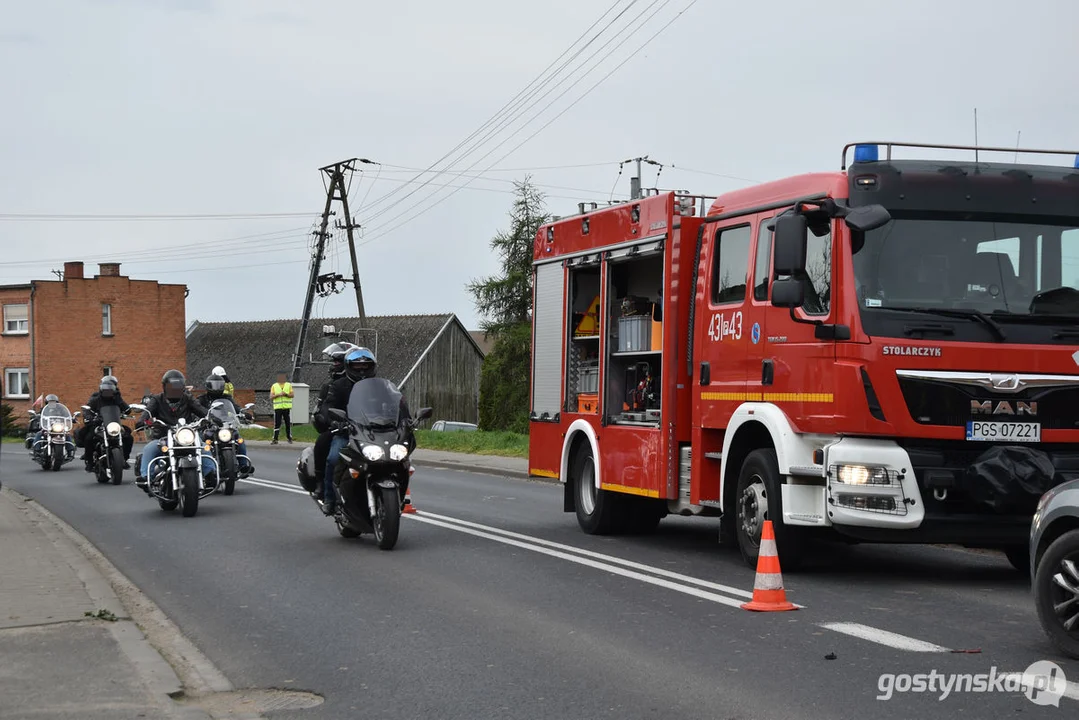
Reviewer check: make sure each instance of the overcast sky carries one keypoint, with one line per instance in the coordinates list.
(186, 107)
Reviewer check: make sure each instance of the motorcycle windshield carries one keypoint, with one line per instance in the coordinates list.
(375, 402)
(56, 417)
(55, 411)
(224, 413)
(109, 413)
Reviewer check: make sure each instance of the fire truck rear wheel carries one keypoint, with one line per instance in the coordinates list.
(758, 498)
(597, 509)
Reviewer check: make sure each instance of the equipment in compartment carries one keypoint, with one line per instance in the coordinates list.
(589, 378)
(586, 324)
(640, 332)
(641, 392)
(588, 403)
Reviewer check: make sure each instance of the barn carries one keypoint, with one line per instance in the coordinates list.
(432, 358)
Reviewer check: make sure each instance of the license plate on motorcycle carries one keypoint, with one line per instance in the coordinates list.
(1000, 431)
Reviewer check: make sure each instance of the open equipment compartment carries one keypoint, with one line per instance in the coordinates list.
(583, 335)
(634, 322)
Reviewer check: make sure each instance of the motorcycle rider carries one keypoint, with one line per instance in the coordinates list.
(108, 393)
(230, 389)
(215, 391)
(50, 399)
(336, 354)
(360, 364)
(173, 404)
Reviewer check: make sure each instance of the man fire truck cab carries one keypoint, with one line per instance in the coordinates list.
(889, 353)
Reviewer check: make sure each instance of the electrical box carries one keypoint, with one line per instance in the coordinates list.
(301, 404)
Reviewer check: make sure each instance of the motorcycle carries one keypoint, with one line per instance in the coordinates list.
(372, 475)
(56, 446)
(107, 462)
(223, 441)
(175, 478)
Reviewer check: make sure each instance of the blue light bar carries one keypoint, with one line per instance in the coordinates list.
(1077, 162)
(865, 153)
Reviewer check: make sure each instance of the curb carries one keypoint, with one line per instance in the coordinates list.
(106, 585)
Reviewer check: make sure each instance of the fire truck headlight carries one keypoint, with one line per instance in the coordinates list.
(864, 475)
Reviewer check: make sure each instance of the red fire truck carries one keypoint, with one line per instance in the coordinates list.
(888, 353)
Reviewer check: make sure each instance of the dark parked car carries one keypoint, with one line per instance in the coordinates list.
(448, 426)
(1054, 565)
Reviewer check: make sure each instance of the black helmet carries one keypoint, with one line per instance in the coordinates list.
(336, 354)
(50, 398)
(107, 388)
(173, 384)
(360, 364)
(215, 384)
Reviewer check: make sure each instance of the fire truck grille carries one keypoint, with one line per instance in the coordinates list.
(934, 402)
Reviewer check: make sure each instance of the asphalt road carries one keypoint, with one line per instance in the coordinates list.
(494, 604)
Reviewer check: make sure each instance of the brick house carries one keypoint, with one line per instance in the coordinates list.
(61, 336)
(433, 359)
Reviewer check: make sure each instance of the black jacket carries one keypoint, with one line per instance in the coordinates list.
(336, 397)
(316, 417)
(187, 407)
(97, 402)
(207, 400)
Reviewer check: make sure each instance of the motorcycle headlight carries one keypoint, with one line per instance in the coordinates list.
(113, 428)
(185, 436)
(373, 453)
(224, 435)
(57, 427)
(398, 453)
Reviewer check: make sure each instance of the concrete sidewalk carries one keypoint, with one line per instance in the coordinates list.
(58, 661)
(488, 464)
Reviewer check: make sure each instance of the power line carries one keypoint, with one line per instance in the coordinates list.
(126, 255)
(38, 217)
(395, 224)
(402, 168)
(632, 31)
(497, 114)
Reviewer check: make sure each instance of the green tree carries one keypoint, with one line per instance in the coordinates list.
(505, 304)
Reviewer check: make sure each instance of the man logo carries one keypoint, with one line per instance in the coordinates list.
(1002, 407)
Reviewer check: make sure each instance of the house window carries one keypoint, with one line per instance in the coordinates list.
(17, 382)
(16, 320)
(106, 319)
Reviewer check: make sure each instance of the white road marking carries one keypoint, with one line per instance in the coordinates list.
(598, 556)
(1071, 689)
(883, 637)
(600, 561)
(613, 569)
(274, 485)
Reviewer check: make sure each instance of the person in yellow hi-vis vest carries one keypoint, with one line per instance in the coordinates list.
(281, 394)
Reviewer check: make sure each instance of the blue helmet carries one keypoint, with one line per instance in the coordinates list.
(360, 363)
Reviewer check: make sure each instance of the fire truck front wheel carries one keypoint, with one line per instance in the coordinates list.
(758, 498)
(596, 509)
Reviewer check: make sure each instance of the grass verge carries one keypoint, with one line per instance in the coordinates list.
(503, 444)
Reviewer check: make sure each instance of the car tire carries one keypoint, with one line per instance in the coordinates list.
(1060, 558)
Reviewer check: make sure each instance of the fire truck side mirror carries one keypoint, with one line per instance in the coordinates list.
(789, 257)
(788, 293)
(867, 217)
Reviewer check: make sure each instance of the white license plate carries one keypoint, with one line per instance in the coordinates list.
(997, 431)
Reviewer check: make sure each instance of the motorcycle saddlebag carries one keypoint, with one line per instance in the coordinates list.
(305, 469)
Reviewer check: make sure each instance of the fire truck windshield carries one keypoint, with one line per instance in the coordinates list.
(964, 270)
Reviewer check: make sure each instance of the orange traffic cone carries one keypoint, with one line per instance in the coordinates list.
(408, 508)
(768, 592)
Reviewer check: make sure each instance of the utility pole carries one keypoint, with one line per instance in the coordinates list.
(635, 182)
(336, 189)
